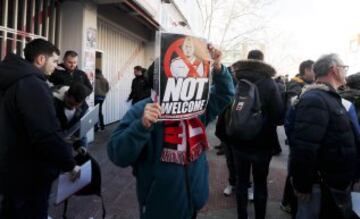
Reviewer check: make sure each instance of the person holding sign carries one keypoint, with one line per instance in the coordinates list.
(168, 157)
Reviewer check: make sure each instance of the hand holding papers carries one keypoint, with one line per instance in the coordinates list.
(66, 187)
(75, 173)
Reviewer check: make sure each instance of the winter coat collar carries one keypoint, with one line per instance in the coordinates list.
(253, 70)
(319, 86)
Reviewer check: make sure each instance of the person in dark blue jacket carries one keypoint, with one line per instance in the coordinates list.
(32, 152)
(323, 145)
(168, 189)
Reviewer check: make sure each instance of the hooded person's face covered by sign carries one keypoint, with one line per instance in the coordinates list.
(184, 76)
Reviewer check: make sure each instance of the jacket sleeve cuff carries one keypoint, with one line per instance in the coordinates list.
(139, 127)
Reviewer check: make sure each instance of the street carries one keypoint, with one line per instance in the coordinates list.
(118, 187)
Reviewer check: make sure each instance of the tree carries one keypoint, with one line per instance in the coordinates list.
(233, 24)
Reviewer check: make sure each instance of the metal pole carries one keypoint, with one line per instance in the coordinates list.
(5, 21)
(15, 25)
(46, 18)
(52, 22)
(58, 25)
(40, 15)
(32, 21)
(23, 26)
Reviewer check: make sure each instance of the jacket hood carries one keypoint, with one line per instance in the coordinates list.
(295, 100)
(310, 87)
(13, 68)
(318, 86)
(253, 70)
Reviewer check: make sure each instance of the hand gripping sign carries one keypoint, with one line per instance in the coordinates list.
(184, 76)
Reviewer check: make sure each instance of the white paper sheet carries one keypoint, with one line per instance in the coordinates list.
(66, 187)
(355, 198)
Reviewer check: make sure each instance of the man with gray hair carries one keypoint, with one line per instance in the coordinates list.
(323, 145)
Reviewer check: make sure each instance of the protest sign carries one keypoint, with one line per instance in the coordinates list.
(183, 76)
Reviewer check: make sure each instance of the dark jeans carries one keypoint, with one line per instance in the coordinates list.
(33, 205)
(101, 116)
(230, 163)
(259, 163)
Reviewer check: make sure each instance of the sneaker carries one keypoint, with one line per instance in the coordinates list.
(228, 190)
(285, 208)
(251, 194)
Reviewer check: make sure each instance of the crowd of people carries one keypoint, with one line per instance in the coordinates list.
(40, 101)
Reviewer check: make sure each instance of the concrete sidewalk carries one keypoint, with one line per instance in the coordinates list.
(120, 196)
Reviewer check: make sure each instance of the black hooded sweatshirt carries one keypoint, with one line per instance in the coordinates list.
(31, 151)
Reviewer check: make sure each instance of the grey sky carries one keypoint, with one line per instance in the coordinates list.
(312, 28)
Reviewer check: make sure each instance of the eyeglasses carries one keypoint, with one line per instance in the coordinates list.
(345, 67)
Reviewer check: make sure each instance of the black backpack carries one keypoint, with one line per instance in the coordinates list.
(94, 188)
(246, 118)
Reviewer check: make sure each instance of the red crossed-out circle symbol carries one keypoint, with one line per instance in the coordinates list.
(175, 48)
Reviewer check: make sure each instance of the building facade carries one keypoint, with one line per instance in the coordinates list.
(111, 35)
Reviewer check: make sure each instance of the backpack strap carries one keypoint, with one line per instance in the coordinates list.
(255, 87)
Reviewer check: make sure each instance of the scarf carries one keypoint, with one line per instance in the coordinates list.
(184, 141)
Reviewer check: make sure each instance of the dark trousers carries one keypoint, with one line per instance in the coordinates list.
(33, 205)
(289, 198)
(101, 116)
(194, 215)
(259, 163)
(230, 163)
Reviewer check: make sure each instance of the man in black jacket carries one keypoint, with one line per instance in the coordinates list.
(32, 153)
(70, 72)
(322, 144)
(306, 76)
(140, 88)
(70, 106)
(256, 153)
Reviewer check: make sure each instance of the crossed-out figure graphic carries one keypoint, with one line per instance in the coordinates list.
(186, 64)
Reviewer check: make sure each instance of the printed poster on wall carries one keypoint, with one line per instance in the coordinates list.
(184, 76)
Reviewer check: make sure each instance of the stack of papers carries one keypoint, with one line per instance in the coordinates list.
(355, 198)
(66, 187)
